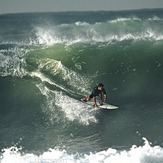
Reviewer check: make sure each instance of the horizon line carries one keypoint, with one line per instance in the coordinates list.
(61, 11)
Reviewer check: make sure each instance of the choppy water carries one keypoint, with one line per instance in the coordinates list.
(48, 61)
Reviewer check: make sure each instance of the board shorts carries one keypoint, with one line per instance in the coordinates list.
(91, 96)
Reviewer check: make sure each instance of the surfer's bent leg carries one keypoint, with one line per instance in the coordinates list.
(101, 102)
(88, 98)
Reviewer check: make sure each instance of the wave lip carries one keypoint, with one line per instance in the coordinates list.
(120, 29)
(117, 29)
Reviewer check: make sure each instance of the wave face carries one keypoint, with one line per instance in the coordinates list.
(48, 61)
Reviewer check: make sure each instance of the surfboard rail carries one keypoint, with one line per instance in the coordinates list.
(104, 106)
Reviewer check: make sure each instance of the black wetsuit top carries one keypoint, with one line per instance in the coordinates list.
(96, 92)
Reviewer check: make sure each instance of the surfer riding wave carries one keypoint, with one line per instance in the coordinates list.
(97, 91)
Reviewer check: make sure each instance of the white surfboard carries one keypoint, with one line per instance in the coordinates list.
(104, 106)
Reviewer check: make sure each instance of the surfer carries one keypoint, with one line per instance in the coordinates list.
(97, 91)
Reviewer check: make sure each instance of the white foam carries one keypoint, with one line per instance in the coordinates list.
(97, 37)
(12, 62)
(72, 79)
(43, 78)
(48, 35)
(124, 20)
(155, 18)
(141, 154)
(83, 32)
(81, 23)
(73, 110)
(108, 31)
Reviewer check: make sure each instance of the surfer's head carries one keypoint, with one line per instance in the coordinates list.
(100, 86)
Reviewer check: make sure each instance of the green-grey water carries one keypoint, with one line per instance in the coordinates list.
(48, 61)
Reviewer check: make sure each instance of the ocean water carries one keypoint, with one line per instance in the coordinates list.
(48, 61)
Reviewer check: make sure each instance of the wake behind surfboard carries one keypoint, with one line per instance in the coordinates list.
(104, 106)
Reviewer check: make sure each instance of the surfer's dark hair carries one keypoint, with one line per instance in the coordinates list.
(100, 85)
